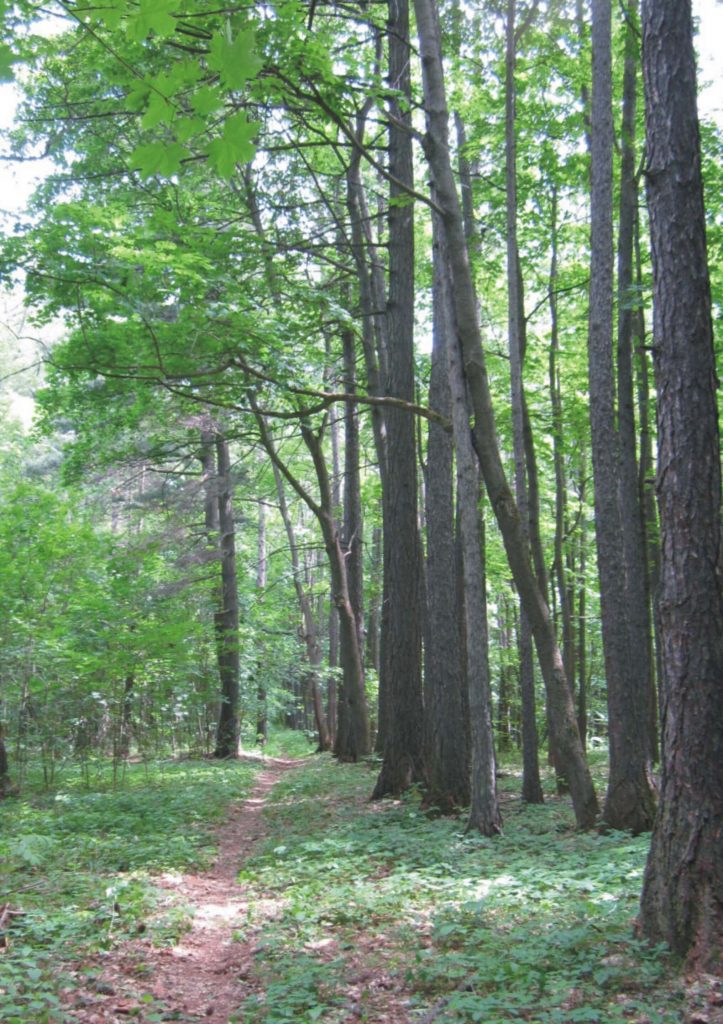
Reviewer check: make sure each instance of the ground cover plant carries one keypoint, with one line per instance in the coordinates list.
(385, 915)
(76, 868)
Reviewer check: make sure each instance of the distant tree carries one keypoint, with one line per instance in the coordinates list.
(682, 901)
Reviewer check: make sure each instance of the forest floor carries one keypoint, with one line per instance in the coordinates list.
(271, 891)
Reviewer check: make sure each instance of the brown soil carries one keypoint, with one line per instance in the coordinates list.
(207, 975)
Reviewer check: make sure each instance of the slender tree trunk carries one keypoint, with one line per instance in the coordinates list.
(646, 502)
(356, 737)
(531, 786)
(401, 635)
(565, 587)
(682, 901)
(262, 723)
(5, 783)
(220, 533)
(630, 801)
(310, 630)
(484, 430)
(228, 731)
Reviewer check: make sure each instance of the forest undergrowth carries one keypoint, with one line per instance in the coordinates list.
(354, 911)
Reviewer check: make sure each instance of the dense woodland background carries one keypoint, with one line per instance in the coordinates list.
(348, 420)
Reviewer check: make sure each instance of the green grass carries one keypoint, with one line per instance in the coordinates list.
(76, 865)
(535, 925)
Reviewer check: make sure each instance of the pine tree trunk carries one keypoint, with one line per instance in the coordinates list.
(630, 802)
(682, 901)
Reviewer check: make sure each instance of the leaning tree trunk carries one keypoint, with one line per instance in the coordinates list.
(484, 430)
(531, 786)
(682, 901)
(630, 802)
(401, 636)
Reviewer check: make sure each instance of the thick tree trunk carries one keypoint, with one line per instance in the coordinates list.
(682, 901)
(484, 430)
(630, 802)
(401, 635)
(484, 812)
(444, 679)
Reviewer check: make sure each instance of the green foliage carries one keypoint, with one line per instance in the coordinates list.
(78, 866)
(533, 925)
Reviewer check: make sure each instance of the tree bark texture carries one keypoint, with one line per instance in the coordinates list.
(228, 731)
(629, 802)
(484, 812)
(444, 680)
(682, 901)
(484, 430)
(401, 633)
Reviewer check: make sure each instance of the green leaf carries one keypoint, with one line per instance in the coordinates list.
(235, 145)
(7, 59)
(158, 158)
(235, 61)
(159, 111)
(187, 127)
(137, 96)
(206, 100)
(110, 16)
(154, 16)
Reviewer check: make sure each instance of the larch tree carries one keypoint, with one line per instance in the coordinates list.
(682, 900)
(630, 801)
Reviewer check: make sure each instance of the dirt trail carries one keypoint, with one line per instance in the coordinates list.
(202, 978)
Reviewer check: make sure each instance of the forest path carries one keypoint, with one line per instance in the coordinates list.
(202, 977)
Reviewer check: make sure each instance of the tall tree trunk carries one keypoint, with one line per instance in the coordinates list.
(646, 500)
(484, 430)
(228, 731)
(335, 707)
(444, 679)
(630, 802)
(401, 637)
(531, 786)
(565, 586)
(484, 813)
(262, 722)
(682, 901)
(220, 530)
